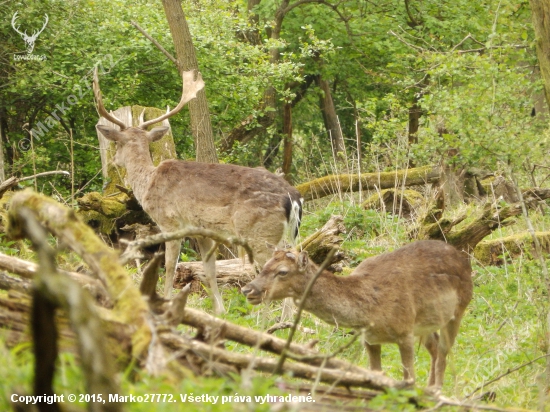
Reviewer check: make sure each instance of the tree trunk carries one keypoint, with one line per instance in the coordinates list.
(187, 60)
(243, 132)
(414, 122)
(287, 133)
(331, 119)
(541, 23)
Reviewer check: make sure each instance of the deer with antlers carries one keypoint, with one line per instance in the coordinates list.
(251, 203)
(29, 40)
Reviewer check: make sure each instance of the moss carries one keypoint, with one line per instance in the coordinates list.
(490, 252)
(332, 184)
(63, 223)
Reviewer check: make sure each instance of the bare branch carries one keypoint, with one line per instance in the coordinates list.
(156, 43)
(133, 247)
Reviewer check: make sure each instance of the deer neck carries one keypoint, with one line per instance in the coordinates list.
(139, 170)
(340, 300)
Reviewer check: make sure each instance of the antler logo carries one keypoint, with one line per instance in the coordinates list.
(29, 40)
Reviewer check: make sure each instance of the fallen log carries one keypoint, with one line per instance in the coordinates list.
(493, 216)
(28, 270)
(491, 252)
(226, 330)
(373, 380)
(231, 272)
(319, 244)
(102, 260)
(332, 184)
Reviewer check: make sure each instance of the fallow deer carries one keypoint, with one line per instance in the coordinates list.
(413, 291)
(251, 203)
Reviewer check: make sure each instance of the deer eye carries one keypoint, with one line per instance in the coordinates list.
(282, 273)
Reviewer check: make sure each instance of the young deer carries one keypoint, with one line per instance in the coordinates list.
(251, 203)
(414, 291)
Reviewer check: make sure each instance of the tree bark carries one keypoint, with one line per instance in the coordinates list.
(201, 125)
(330, 118)
(541, 22)
(287, 141)
(244, 132)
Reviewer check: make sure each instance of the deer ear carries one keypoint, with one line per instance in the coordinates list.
(110, 133)
(157, 133)
(303, 259)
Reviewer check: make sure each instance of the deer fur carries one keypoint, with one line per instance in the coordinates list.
(251, 203)
(417, 290)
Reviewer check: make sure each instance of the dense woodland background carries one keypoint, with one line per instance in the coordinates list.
(311, 88)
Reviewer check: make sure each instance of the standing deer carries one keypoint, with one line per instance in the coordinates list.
(251, 203)
(414, 291)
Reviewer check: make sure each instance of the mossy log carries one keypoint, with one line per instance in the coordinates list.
(107, 213)
(492, 252)
(493, 216)
(395, 201)
(102, 260)
(320, 243)
(333, 184)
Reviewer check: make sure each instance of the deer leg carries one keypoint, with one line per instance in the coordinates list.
(406, 349)
(171, 256)
(446, 341)
(431, 343)
(375, 356)
(210, 272)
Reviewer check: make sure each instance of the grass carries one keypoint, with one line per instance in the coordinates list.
(503, 328)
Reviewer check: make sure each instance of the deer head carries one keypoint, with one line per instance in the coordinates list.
(29, 40)
(284, 275)
(135, 140)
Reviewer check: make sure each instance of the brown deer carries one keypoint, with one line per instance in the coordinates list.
(251, 203)
(416, 290)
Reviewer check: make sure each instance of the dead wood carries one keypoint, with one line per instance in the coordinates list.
(54, 290)
(493, 216)
(8, 282)
(227, 330)
(14, 181)
(103, 261)
(332, 184)
(28, 270)
(492, 252)
(319, 244)
(133, 249)
(231, 272)
(395, 201)
(342, 377)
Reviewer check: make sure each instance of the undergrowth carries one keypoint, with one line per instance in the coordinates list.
(503, 328)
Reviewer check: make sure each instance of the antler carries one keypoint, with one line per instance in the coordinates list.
(190, 89)
(100, 108)
(13, 20)
(35, 34)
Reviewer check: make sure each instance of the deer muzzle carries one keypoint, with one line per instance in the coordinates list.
(252, 293)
